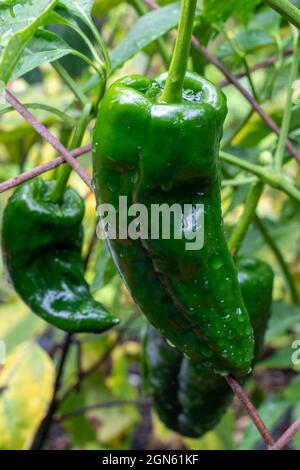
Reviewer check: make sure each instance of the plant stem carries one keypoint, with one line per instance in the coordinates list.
(174, 83)
(141, 9)
(238, 181)
(102, 46)
(288, 107)
(286, 436)
(240, 53)
(76, 139)
(287, 10)
(250, 409)
(246, 220)
(250, 80)
(65, 118)
(274, 180)
(70, 82)
(41, 169)
(281, 261)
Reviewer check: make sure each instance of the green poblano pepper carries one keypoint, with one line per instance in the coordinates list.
(156, 153)
(188, 397)
(42, 244)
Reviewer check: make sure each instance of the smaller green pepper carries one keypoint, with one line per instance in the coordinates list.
(42, 244)
(160, 365)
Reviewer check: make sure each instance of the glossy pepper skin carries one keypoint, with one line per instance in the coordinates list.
(42, 244)
(155, 153)
(188, 398)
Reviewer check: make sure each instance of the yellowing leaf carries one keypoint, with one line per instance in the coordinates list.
(26, 384)
(18, 324)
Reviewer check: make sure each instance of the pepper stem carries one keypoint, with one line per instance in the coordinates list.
(174, 83)
(58, 190)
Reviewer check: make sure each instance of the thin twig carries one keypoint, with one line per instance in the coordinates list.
(48, 137)
(249, 407)
(262, 65)
(97, 406)
(40, 169)
(286, 436)
(280, 259)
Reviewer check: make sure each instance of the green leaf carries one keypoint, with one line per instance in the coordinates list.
(248, 41)
(270, 411)
(244, 10)
(284, 317)
(18, 324)
(146, 30)
(80, 8)
(103, 6)
(45, 46)
(26, 381)
(215, 11)
(17, 26)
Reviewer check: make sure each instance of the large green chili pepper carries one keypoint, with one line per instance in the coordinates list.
(188, 397)
(42, 244)
(155, 153)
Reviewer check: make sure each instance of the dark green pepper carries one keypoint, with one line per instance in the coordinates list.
(188, 397)
(42, 244)
(155, 153)
(160, 366)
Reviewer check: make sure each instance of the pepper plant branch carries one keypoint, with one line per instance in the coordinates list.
(280, 258)
(286, 121)
(48, 137)
(76, 140)
(287, 10)
(241, 229)
(262, 65)
(40, 169)
(265, 175)
(249, 407)
(286, 436)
